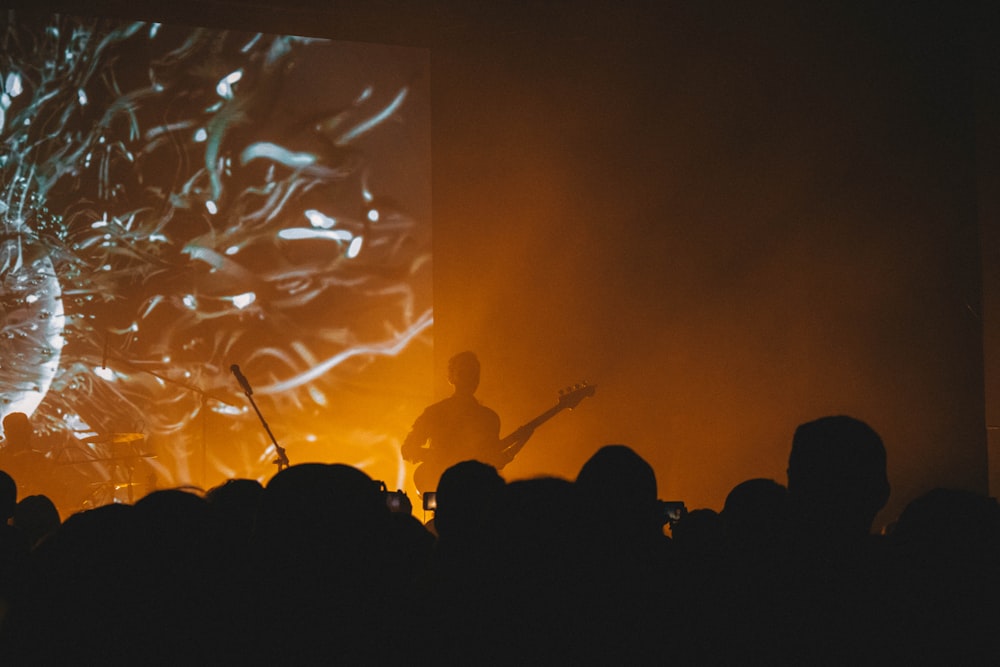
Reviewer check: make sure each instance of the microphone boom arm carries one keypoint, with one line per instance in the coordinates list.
(282, 459)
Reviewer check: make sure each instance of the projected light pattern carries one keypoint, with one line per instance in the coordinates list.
(33, 322)
(176, 200)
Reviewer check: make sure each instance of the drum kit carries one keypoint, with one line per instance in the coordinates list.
(115, 459)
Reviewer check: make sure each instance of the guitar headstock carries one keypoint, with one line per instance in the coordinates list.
(570, 397)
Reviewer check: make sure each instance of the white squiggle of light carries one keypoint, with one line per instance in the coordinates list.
(249, 45)
(151, 304)
(241, 301)
(318, 397)
(156, 132)
(210, 257)
(388, 348)
(355, 248)
(121, 331)
(276, 205)
(320, 220)
(12, 86)
(226, 409)
(374, 121)
(200, 135)
(304, 352)
(225, 86)
(219, 262)
(269, 151)
(300, 234)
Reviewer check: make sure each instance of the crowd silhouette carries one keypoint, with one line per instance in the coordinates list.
(314, 567)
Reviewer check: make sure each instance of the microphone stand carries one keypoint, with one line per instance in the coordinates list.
(282, 458)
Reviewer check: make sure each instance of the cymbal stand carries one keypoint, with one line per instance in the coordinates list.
(203, 394)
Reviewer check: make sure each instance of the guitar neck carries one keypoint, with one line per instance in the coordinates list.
(533, 424)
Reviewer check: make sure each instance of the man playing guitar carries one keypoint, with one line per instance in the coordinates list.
(459, 428)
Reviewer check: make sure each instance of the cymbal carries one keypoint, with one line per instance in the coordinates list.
(106, 459)
(111, 459)
(114, 438)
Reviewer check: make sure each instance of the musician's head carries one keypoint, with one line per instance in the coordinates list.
(463, 372)
(17, 430)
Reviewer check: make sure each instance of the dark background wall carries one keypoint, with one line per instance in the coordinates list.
(732, 219)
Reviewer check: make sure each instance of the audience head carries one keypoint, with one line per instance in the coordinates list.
(465, 493)
(37, 517)
(537, 518)
(171, 506)
(236, 501)
(700, 531)
(953, 519)
(755, 511)
(237, 493)
(8, 496)
(837, 474)
(172, 522)
(316, 500)
(618, 488)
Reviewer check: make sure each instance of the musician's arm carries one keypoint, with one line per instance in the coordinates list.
(512, 444)
(412, 448)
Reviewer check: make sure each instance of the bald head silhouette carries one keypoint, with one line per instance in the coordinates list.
(837, 477)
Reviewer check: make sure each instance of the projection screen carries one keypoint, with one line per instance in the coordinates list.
(178, 201)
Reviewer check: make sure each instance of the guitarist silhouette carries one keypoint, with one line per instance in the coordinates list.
(460, 428)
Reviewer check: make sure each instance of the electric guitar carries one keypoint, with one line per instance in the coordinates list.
(431, 466)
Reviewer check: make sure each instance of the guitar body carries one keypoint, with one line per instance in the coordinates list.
(435, 461)
(428, 473)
